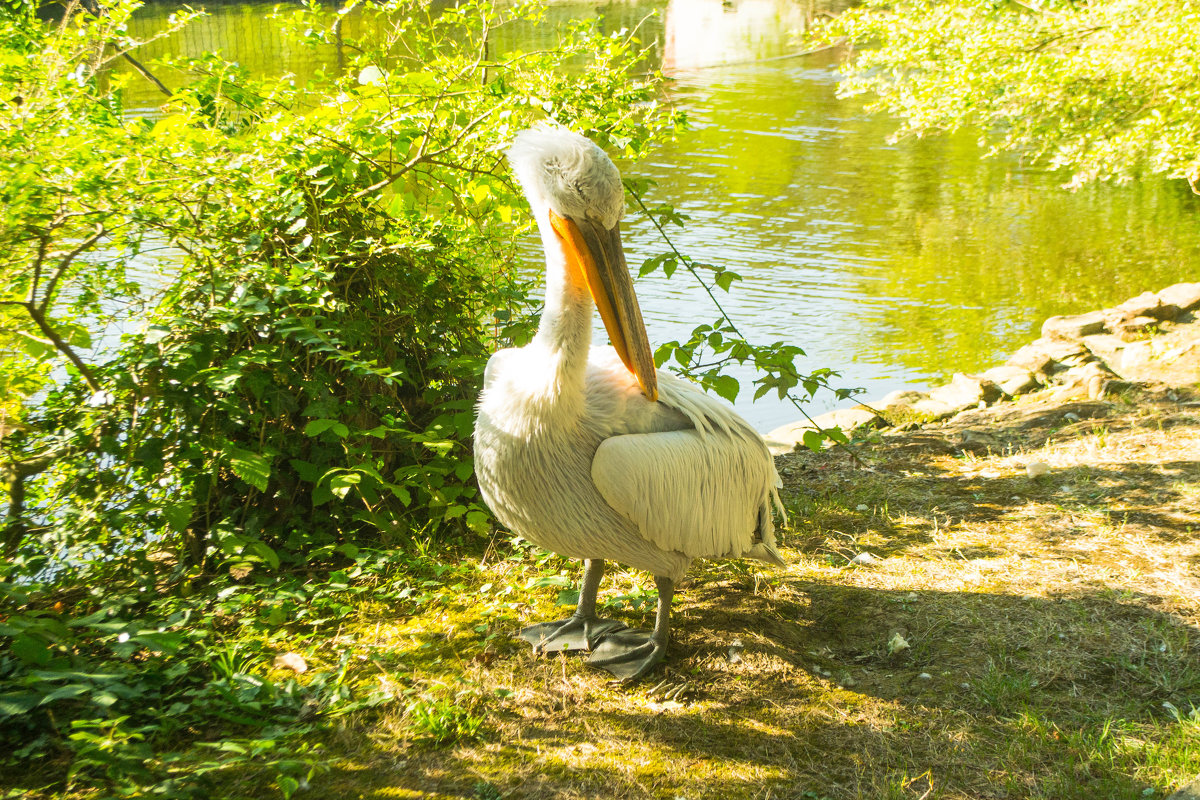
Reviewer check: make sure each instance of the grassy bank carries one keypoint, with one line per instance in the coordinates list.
(1017, 637)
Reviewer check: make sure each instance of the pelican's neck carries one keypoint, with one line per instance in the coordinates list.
(565, 331)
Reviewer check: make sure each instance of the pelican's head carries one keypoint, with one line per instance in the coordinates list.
(573, 187)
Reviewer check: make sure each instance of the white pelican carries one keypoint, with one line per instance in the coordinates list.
(591, 452)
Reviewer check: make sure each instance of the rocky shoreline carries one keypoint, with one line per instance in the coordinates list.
(1151, 338)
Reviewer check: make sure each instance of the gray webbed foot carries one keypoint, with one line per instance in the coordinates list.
(574, 633)
(629, 654)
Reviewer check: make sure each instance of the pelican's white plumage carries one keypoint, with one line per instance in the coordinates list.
(571, 452)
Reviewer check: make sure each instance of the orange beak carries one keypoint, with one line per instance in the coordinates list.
(596, 253)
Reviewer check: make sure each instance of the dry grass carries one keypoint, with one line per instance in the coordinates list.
(1053, 627)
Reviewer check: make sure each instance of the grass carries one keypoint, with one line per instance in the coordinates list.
(1053, 623)
(1053, 627)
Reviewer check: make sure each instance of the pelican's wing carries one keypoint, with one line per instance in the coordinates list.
(707, 491)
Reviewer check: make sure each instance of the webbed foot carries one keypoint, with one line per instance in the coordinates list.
(629, 654)
(565, 635)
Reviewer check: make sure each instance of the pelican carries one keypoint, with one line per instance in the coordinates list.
(590, 451)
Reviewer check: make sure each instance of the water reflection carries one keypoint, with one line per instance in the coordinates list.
(895, 264)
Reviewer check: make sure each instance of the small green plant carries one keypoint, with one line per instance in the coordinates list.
(1004, 687)
(440, 718)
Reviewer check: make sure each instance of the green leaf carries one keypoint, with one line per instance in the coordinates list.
(251, 467)
(341, 483)
(16, 703)
(319, 426)
(726, 386)
(263, 550)
(31, 649)
(179, 514)
(814, 440)
(288, 785)
(725, 278)
(71, 690)
(165, 642)
(402, 494)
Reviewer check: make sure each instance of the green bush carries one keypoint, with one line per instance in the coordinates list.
(295, 382)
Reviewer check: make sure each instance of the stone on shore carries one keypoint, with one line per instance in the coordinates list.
(1074, 327)
(1093, 355)
(1046, 357)
(966, 391)
(899, 400)
(1184, 296)
(1013, 380)
(1189, 792)
(1093, 379)
(1146, 304)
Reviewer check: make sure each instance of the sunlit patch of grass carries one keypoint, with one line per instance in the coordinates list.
(1050, 634)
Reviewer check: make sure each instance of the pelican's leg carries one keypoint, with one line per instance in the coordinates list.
(583, 629)
(631, 654)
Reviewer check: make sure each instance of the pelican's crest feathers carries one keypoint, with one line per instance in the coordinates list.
(568, 173)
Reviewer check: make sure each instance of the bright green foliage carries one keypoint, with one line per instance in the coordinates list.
(310, 279)
(1103, 89)
(713, 347)
(305, 377)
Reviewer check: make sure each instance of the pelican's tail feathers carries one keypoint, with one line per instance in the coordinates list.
(763, 548)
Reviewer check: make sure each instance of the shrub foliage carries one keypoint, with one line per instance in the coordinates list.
(241, 341)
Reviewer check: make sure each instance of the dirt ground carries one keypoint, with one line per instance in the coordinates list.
(1022, 621)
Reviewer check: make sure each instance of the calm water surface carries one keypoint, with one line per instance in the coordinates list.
(895, 264)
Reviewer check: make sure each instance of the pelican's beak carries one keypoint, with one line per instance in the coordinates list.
(596, 253)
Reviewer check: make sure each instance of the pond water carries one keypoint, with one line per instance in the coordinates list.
(894, 264)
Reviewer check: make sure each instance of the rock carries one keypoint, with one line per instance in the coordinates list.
(1147, 304)
(1134, 326)
(1036, 469)
(1048, 356)
(1134, 355)
(966, 391)
(786, 438)
(1189, 792)
(899, 400)
(1106, 347)
(973, 441)
(1074, 327)
(866, 560)
(1090, 377)
(849, 419)
(1012, 380)
(1184, 296)
(934, 409)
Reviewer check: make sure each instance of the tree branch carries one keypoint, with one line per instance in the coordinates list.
(61, 269)
(60, 344)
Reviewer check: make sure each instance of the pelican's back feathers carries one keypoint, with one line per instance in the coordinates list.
(706, 492)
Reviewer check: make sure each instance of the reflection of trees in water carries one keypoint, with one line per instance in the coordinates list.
(913, 259)
(248, 34)
(921, 254)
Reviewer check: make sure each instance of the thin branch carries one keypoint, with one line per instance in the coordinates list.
(64, 264)
(145, 73)
(1066, 34)
(38, 260)
(422, 156)
(61, 346)
(687, 263)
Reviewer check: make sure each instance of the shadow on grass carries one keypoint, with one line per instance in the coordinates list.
(843, 691)
(996, 696)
